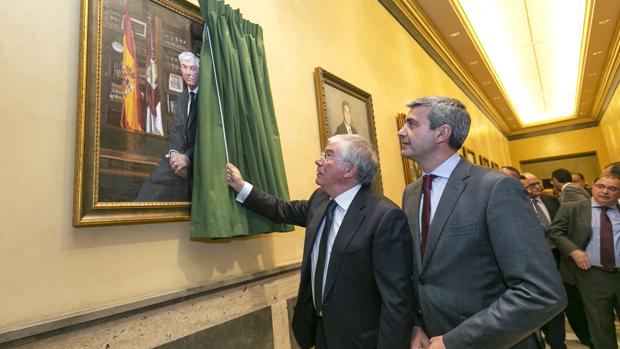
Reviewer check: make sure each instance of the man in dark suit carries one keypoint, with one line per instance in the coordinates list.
(356, 289)
(586, 232)
(545, 207)
(485, 276)
(346, 128)
(561, 179)
(171, 180)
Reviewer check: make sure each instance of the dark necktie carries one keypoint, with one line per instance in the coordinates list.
(320, 261)
(608, 259)
(544, 221)
(427, 185)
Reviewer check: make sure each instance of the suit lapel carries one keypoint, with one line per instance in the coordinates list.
(350, 225)
(450, 196)
(414, 224)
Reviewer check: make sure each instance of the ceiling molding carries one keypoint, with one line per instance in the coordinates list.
(433, 24)
(417, 24)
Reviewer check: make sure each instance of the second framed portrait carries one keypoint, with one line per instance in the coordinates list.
(344, 109)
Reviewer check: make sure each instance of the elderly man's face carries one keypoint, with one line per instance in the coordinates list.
(533, 186)
(189, 70)
(606, 191)
(330, 169)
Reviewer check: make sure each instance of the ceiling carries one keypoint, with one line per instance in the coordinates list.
(438, 26)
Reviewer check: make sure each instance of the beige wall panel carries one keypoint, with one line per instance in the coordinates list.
(563, 143)
(52, 270)
(610, 127)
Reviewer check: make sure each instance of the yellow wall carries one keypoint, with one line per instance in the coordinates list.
(610, 127)
(51, 270)
(563, 143)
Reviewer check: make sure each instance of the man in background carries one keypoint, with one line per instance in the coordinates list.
(484, 275)
(171, 180)
(561, 179)
(510, 171)
(545, 207)
(587, 232)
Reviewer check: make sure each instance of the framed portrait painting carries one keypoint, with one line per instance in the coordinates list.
(130, 92)
(484, 161)
(344, 109)
(469, 155)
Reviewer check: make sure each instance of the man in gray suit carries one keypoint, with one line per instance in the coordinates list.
(485, 277)
(586, 232)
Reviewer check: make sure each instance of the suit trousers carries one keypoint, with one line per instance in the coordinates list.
(576, 314)
(600, 292)
(555, 333)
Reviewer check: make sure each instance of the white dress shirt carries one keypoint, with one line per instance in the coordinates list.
(343, 202)
(442, 172)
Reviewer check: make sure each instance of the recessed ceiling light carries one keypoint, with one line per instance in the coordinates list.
(473, 62)
(592, 75)
(455, 34)
(596, 53)
(496, 97)
(486, 82)
(534, 49)
(604, 21)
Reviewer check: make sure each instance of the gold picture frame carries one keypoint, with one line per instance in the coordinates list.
(334, 96)
(469, 154)
(111, 161)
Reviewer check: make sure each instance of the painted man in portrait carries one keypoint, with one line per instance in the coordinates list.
(171, 180)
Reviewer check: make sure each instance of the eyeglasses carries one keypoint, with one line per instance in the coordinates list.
(532, 185)
(611, 189)
(327, 157)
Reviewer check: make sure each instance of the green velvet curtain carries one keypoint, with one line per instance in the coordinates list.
(250, 124)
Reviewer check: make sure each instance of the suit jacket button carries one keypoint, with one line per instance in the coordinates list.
(419, 312)
(422, 281)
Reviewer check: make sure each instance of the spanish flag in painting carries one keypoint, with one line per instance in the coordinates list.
(131, 113)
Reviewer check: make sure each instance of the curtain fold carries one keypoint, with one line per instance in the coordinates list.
(249, 120)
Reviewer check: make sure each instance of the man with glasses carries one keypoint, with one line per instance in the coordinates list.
(545, 207)
(356, 289)
(587, 233)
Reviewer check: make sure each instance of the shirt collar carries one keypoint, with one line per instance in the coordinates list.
(566, 185)
(445, 169)
(344, 199)
(194, 90)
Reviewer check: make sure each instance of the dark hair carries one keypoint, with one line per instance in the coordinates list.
(446, 111)
(562, 175)
(615, 168)
(510, 168)
(579, 174)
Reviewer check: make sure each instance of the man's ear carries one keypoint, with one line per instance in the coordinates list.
(351, 171)
(443, 133)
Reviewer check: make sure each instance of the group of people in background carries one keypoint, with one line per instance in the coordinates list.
(582, 226)
(467, 263)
